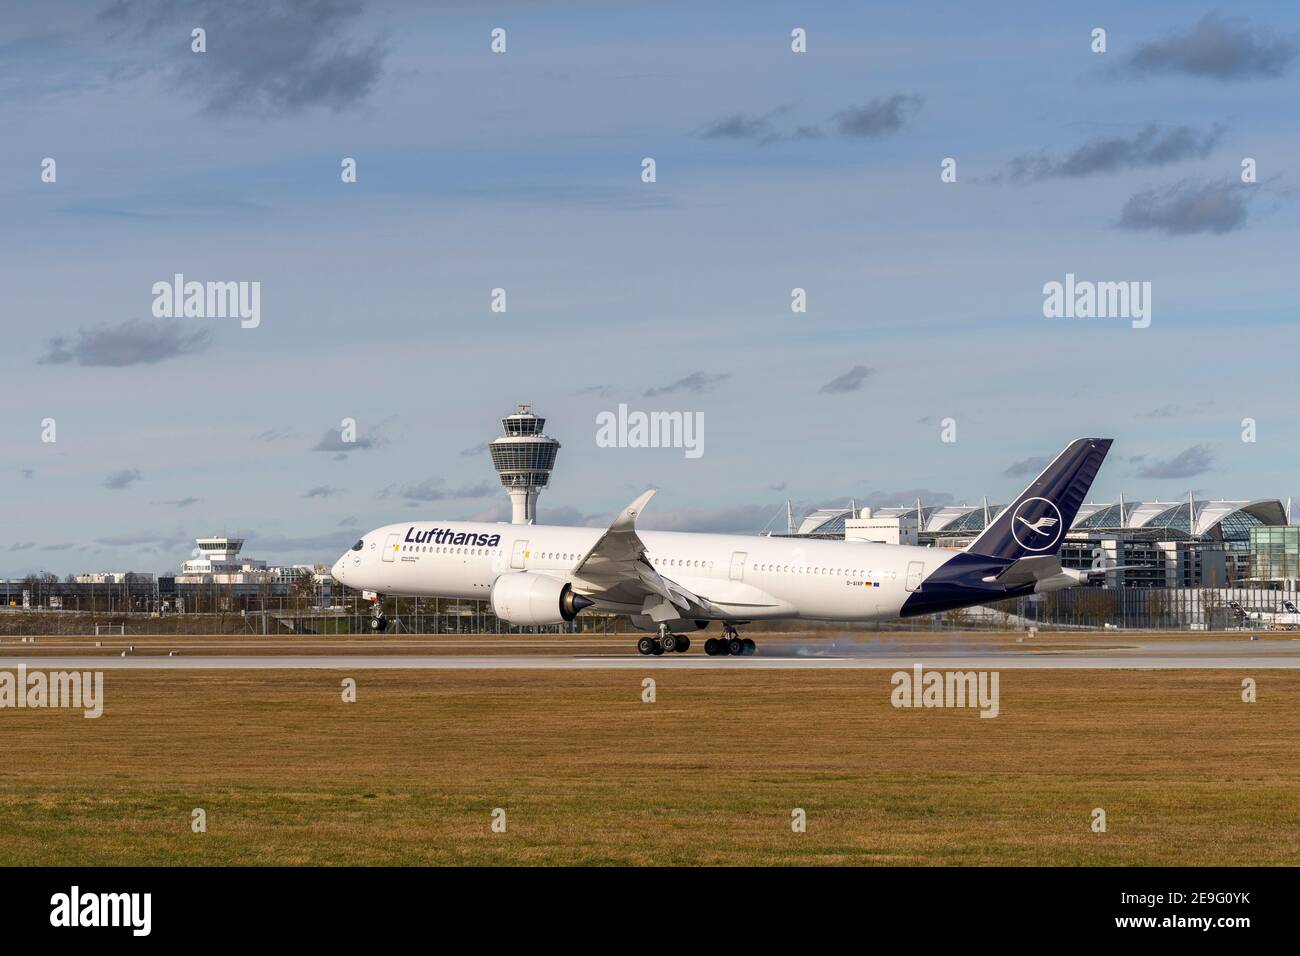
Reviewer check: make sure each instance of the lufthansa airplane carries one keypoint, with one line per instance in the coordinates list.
(1286, 619)
(669, 583)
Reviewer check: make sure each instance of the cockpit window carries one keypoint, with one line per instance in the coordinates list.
(359, 545)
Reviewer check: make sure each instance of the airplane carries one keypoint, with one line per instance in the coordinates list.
(671, 583)
(1288, 618)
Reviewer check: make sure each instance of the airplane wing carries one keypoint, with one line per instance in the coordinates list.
(617, 571)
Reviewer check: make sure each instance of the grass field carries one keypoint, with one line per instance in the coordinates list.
(709, 773)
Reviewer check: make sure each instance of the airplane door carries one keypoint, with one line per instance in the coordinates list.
(914, 572)
(738, 565)
(518, 554)
(390, 548)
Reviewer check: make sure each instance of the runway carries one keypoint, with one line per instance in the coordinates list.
(1088, 660)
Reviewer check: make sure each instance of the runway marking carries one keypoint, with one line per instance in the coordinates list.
(510, 662)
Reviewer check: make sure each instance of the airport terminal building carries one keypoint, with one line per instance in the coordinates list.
(1177, 544)
(1186, 561)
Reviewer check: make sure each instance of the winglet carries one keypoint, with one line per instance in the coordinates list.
(619, 547)
(627, 520)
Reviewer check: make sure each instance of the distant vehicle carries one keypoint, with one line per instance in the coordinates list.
(1287, 619)
(671, 582)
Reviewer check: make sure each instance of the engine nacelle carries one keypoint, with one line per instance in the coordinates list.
(529, 599)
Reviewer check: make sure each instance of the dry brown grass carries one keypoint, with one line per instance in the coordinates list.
(589, 774)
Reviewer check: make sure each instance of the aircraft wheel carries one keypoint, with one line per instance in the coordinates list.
(750, 647)
(669, 643)
(683, 643)
(735, 646)
(711, 647)
(658, 648)
(646, 646)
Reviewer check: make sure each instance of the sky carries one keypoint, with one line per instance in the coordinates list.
(924, 363)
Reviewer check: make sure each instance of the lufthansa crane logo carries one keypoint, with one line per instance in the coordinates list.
(1036, 524)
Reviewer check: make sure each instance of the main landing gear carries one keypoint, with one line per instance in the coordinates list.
(730, 643)
(666, 643)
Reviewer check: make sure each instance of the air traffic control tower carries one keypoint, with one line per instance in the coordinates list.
(524, 457)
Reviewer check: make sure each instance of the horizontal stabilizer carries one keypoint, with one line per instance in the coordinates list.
(1120, 567)
(1044, 569)
(1026, 571)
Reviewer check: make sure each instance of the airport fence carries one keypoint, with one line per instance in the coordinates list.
(1197, 609)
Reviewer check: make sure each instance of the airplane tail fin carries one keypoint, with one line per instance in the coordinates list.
(1290, 608)
(1036, 522)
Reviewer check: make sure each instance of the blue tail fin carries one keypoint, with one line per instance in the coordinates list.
(1036, 522)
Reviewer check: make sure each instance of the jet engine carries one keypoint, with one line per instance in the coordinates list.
(529, 599)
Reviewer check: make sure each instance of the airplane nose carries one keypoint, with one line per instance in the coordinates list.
(338, 569)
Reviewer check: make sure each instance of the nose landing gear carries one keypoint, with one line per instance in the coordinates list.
(730, 643)
(378, 623)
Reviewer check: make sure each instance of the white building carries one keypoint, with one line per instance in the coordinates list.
(217, 561)
(881, 529)
(114, 577)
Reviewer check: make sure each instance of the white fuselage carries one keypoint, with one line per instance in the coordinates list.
(749, 577)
